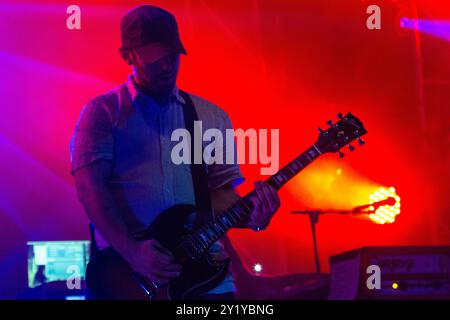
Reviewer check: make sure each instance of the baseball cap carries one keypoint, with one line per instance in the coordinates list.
(147, 24)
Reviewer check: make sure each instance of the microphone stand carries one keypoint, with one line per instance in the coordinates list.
(314, 219)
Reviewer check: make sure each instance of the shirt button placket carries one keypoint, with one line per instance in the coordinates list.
(166, 160)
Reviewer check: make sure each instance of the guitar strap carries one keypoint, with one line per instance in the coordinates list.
(198, 171)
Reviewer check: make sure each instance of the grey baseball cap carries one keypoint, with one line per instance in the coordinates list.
(148, 24)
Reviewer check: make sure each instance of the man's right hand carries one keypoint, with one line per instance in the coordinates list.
(150, 259)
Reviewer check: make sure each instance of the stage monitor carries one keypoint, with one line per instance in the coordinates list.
(50, 261)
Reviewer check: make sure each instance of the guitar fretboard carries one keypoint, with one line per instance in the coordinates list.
(204, 237)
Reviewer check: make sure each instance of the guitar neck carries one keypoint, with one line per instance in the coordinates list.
(215, 229)
(289, 171)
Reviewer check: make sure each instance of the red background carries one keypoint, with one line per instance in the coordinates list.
(290, 65)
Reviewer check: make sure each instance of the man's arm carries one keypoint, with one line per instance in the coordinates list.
(149, 258)
(91, 182)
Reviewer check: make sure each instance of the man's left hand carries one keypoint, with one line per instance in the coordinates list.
(265, 203)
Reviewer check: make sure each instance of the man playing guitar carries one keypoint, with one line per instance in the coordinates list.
(120, 153)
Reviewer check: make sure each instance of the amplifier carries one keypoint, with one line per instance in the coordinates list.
(421, 272)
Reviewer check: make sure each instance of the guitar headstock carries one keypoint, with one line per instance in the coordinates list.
(341, 134)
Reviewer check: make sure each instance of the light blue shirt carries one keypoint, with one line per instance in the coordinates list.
(130, 129)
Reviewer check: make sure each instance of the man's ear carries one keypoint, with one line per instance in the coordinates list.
(126, 56)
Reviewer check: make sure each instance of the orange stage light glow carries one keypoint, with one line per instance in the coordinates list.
(333, 184)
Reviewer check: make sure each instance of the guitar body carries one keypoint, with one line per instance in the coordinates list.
(110, 277)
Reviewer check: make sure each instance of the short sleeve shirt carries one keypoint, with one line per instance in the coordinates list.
(131, 130)
(134, 132)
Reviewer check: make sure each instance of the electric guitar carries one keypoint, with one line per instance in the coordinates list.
(109, 276)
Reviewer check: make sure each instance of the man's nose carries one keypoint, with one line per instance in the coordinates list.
(167, 63)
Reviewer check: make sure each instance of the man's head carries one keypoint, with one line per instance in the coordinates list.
(151, 45)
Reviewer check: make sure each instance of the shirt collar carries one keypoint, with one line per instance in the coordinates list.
(135, 91)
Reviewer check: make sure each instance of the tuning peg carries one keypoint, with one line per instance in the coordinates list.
(339, 115)
(330, 123)
(361, 142)
(320, 129)
(351, 148)
(341, 155)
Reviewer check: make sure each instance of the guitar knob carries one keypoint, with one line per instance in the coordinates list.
(351, 148)
(339, 115)
(341, 155)
(330, 123)
(361, 142)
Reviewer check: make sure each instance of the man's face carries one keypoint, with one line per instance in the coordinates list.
(156, 67)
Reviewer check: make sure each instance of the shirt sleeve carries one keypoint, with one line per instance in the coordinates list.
(92, 139)
(220, 174)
